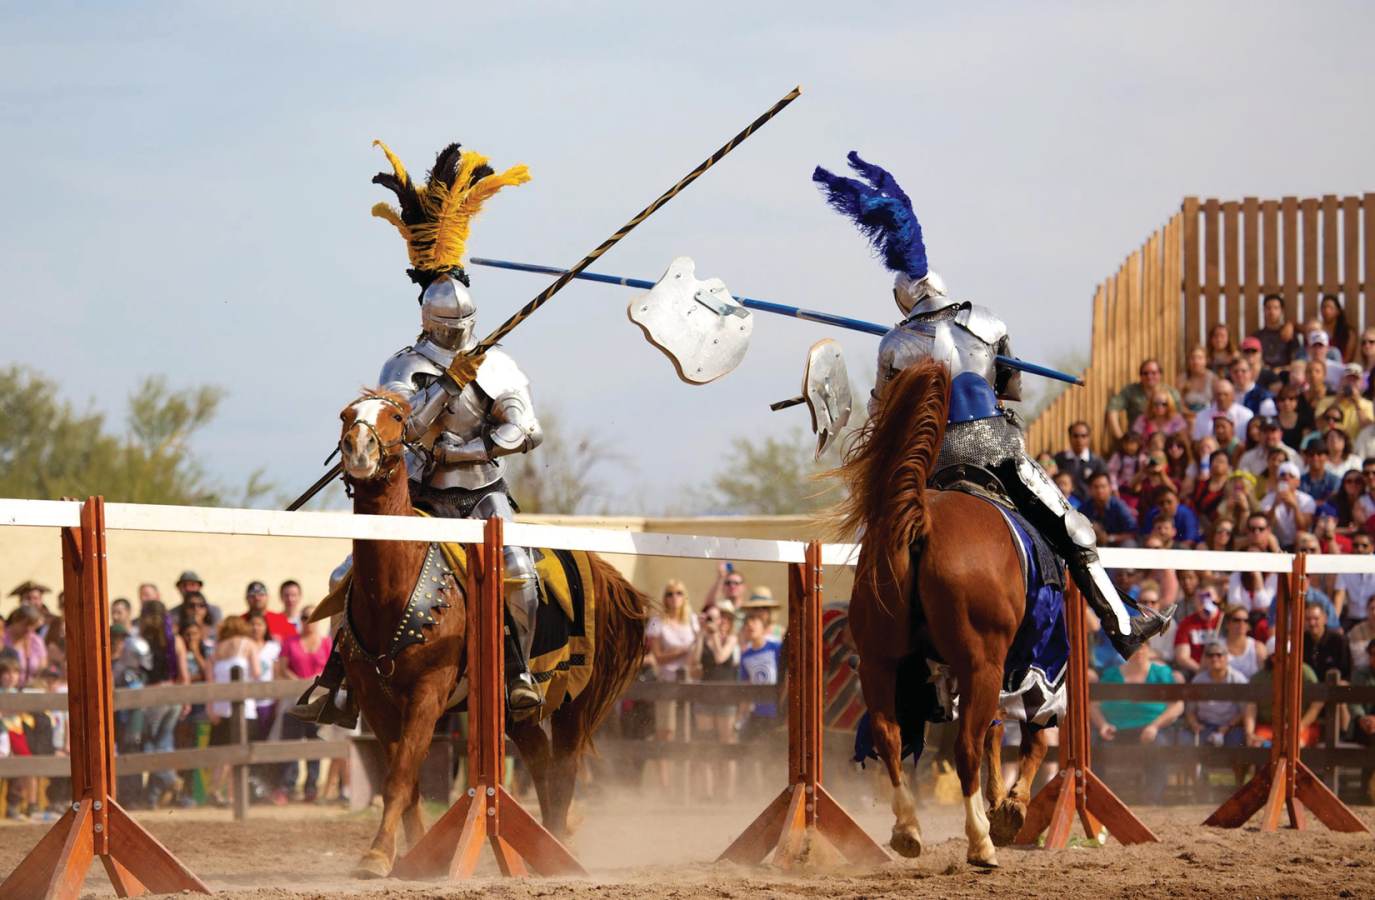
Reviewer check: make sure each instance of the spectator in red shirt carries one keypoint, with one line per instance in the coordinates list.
(1197, 629)
(290, 594)
(278, 625)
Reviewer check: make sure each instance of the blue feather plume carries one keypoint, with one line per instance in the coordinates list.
(881, 210)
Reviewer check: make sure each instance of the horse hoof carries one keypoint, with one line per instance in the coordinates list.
(1005, 822)
(374, 864)
(989, 862)
(906, 843)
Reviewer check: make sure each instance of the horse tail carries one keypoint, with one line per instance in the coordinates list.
(621, 614)
(886, 469)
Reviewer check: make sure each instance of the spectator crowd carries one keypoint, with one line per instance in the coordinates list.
(1267, 446)
(191, 642)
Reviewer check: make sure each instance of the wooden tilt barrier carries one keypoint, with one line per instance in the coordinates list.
(1075, 789)
(486, 813)
(95, 824)
(804, 805)
(1284, 783)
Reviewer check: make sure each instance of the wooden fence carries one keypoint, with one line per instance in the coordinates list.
(1214, 261)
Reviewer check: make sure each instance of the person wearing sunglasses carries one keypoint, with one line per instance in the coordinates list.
(1217, 722)
(1244, 653)
(1079, 460)
(1353, 412)
(1130, 403)
(729, 587)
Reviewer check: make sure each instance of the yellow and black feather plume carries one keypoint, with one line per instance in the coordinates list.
(435, 219)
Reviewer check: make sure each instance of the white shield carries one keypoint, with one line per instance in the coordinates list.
(826, 389)
(698, 324)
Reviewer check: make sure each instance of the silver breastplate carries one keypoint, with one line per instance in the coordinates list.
(464, 417)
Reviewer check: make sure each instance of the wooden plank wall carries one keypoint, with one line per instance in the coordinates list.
(1213, 263)
(1137, 314)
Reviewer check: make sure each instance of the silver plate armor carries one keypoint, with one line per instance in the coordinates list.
(964, 336)
(459, 438)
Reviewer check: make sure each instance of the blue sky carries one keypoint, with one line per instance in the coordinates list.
(188, 184)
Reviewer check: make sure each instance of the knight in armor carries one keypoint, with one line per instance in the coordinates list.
(983, 443)
(457, 433)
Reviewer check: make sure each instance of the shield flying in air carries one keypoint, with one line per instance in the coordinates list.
(826, 390)
(698, 324)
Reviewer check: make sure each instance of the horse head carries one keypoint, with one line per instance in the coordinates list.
(372, 443)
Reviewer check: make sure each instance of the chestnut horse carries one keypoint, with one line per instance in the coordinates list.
(403, 707)
(953, 554)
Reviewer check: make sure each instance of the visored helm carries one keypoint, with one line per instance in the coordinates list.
(909, 291)
(448, 314)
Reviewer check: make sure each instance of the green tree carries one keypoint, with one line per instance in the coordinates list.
(50, 449)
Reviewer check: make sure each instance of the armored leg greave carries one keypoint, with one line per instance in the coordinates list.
(1073, 537)
(522, 603)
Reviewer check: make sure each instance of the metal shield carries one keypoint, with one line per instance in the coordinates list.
(698, 324)
(826, 390)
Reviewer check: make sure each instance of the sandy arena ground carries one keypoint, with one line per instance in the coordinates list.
(653, 849)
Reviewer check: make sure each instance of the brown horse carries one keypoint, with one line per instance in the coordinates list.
(953, 554)
(403, 705)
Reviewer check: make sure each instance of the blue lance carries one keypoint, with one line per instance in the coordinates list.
(782, 309)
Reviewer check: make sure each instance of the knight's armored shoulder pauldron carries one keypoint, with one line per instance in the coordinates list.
(407, 371)
(953, 334)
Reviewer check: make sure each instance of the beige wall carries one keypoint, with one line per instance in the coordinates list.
(229, 563)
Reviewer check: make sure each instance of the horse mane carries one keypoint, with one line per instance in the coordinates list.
(886, 469)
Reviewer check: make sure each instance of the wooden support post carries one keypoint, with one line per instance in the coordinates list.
(95, 825)
(238, 735)
(486, 813)
(1076, 790)
(1284, 785)
(804, 807)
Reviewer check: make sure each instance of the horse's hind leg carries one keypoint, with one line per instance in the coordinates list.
(1009, 815)
(566, 726)
(533, 744)
(978, 706)
(994, 786)
(879, 682)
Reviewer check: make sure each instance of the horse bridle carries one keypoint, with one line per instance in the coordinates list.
(388, 468)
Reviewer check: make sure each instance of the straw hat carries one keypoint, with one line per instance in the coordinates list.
(760, 598)
(30, 586)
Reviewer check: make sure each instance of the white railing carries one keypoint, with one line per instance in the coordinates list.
(343, 525)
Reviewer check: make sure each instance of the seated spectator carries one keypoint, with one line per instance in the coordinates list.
(1161, 416)
(1290, 509)
(1079, 460)
(1221, 350)
(1240, 503)
(1210, 490)
(1270, 477)
(1185, 522)
(1365, 442)
(1244, 382)
(1217, 722)
(1147, 722)
(1131, 402)
(1113, 521)
(1253, 592)
(1324, 362)
(1339, 331)
(1256, 460)
(1318, 481)
(1065, 482)
(1358, 637)
(1363, 714)
(1151, 481)
(1197, 629)
(1325, 529)
(1279, 343)
(1324, 649)
(1352, 592)
(1219, 536)
(1125, 465)
(1225, 436)
(1180, 467)
(1257, 721)
(1162, 645)
(1348, 502)
(1196, 382)
(1294, 415)
(1244, 653)
(1259, 535)
(1352, 411)
(1224, 403)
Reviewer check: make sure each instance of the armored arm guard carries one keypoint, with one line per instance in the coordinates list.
(419, 380)
(513, 425)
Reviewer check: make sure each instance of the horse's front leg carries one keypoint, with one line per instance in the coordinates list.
(879, 682)
(423, 701)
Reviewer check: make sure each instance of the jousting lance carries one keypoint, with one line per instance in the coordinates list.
(781, 309)
(465, 365)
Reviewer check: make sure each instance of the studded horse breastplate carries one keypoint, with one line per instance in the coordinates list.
(425, 598)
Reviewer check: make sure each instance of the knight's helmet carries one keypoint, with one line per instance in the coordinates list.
(435, 219)
(884, 214)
